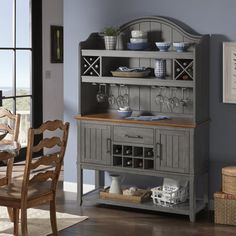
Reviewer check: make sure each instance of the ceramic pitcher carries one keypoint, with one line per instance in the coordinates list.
(115, 184)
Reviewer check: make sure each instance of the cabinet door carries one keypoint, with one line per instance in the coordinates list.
(172, 150)
(95, 144)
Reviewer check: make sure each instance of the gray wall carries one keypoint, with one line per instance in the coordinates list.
(52, 15)
(80, 19)
(213, 17)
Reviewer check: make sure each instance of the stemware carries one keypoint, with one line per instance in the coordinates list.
(101, 94)
(111, 98)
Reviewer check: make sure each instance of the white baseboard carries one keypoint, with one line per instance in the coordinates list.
(72, 187)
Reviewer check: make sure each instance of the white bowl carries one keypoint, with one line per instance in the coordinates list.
(138, 40)
(126, 108)
(123, 114)
(181, 46)
(138, 34)
(163, 46)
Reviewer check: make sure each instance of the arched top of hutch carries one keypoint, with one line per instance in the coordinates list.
(158, 28)
(160, 23)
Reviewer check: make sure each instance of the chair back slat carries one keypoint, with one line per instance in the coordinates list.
(8, 128)
(11, 123)
(46, 161)
(49, 143)
(50, 126)
(42, 177)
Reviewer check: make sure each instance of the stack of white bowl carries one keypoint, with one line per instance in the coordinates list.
(138, 36)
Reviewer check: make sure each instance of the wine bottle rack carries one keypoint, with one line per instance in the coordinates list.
(91, 66)
(138, 157)
(183, 69)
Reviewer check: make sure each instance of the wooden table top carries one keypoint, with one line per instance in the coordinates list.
(107, 117)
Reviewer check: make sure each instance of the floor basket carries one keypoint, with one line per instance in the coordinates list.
(225, 208)
(229, 179)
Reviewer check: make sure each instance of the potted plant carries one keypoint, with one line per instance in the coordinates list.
(110, 37)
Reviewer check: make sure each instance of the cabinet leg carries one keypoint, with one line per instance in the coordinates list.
(192, 217)
(80, 185)
(192, 198)
(99, 179)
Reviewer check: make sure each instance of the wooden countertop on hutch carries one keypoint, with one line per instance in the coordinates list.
(172, 122)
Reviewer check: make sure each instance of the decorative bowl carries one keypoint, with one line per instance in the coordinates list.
(3, 134)
(181, 46)
(138, 40)
(123, 114)
(137, 46)
(163, 46)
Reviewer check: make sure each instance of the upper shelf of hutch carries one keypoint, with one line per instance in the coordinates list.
(138, 54)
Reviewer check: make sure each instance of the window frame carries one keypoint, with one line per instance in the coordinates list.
(36, 69)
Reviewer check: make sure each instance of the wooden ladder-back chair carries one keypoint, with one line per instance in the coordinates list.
(44, 158)
(10, 123)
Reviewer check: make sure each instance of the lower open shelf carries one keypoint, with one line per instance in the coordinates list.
(183, 208)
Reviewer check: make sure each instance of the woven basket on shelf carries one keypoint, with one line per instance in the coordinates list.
(229, 179)
(225, 208)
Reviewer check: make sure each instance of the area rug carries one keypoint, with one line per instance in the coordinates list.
(38, 222)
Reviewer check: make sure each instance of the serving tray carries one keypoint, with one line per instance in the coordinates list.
(131, 74)
(141, 195)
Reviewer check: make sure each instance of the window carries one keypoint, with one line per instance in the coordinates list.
(21, 61)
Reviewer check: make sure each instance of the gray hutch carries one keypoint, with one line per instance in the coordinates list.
(179, 145)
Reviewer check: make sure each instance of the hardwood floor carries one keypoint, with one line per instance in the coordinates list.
(116, 221)
(106, 221)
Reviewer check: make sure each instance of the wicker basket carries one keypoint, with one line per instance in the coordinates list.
(229, 179)
(170, 197)
(225, 208)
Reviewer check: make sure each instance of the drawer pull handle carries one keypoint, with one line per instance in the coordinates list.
(133, 136)
(158, 146)
(108, 145)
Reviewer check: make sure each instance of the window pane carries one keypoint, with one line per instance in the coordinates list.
(23, 72)
(6, 72)
(6, 23)
(23, 23)
(23, 107)
(8, 104)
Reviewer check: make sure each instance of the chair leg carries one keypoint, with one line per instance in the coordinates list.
(24, 228)
(15, 218)
(53, 217)
(10, 214)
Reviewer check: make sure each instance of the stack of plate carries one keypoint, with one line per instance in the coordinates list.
(138, 41)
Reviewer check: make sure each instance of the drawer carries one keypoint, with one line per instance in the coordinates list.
(133, 135)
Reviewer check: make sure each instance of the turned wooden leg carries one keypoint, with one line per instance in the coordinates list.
(53, 217)
(15, 218)
(24, 228)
